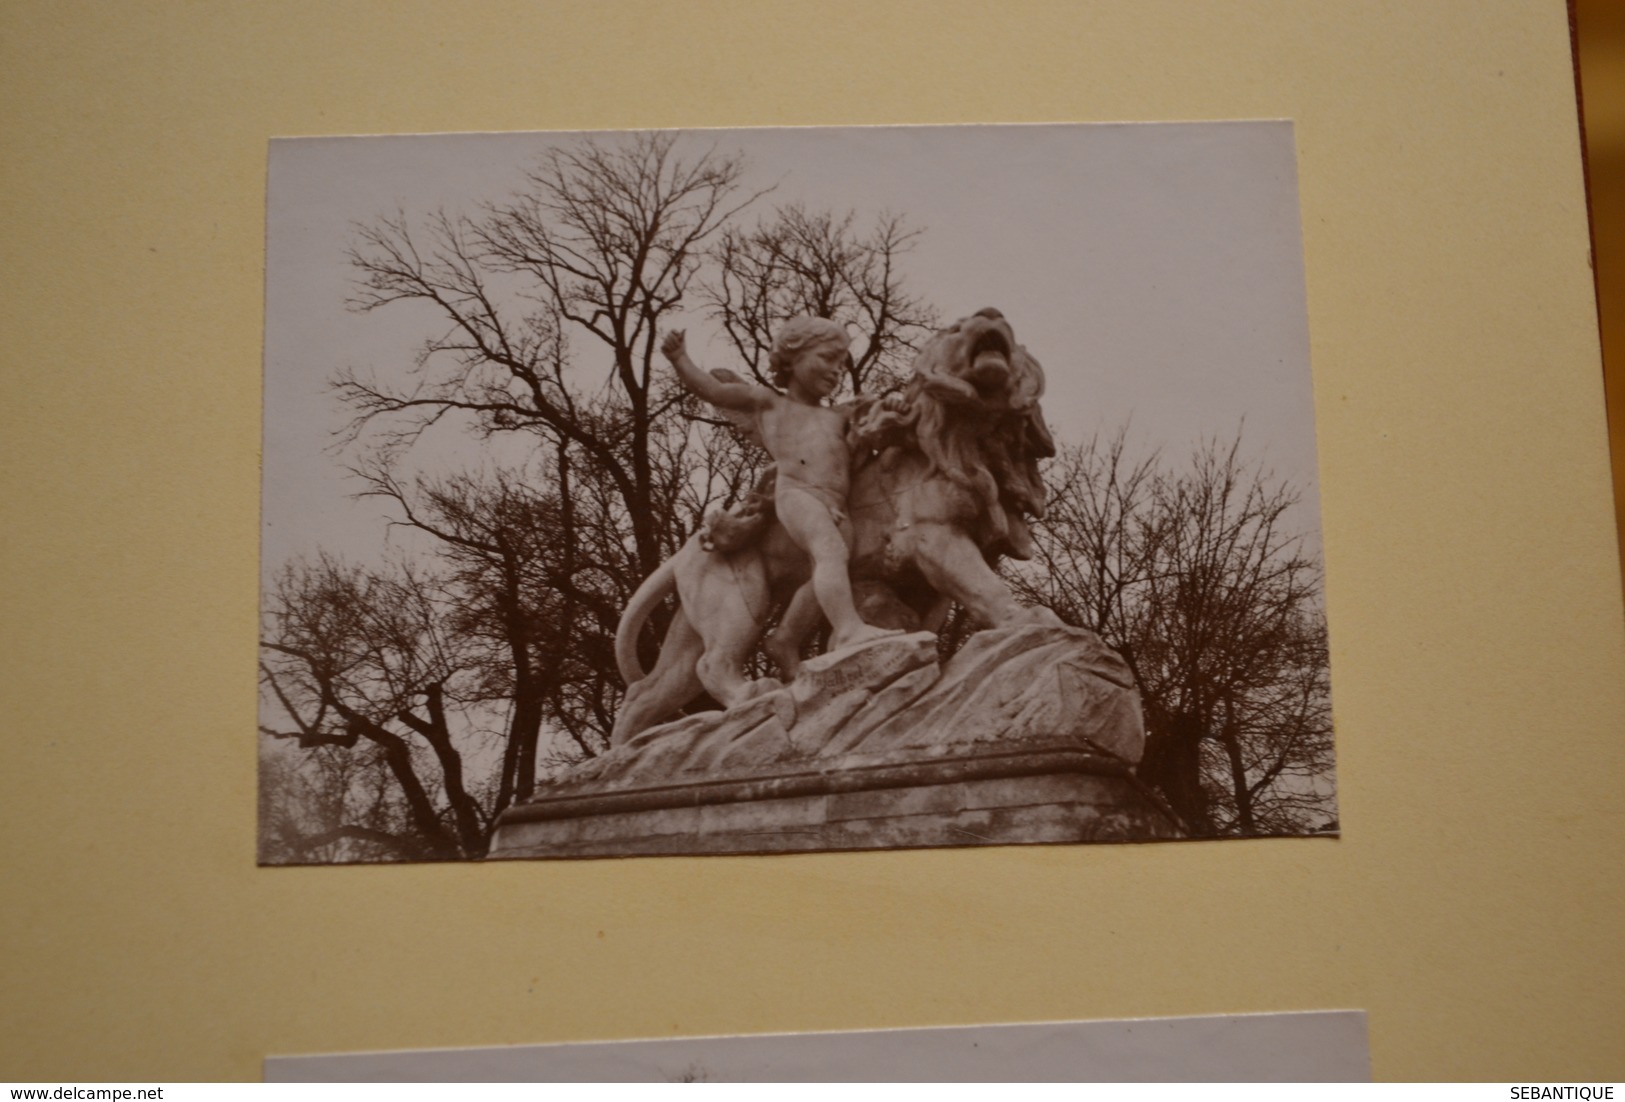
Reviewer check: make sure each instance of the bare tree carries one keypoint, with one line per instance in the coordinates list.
(1197, 577)
(331, 804)
(604, 241)
(533, 575)
(817, 263)
(354, 658)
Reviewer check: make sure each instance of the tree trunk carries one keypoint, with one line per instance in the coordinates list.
(1173, 766)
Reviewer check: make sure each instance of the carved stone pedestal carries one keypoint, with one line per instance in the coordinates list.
(1060, 795)
(1026, 735)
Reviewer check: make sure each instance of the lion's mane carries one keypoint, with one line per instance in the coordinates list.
(988, 445)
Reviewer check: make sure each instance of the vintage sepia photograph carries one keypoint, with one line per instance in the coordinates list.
(784, 490)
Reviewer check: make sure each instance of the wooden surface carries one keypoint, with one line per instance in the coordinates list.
(1601, 46)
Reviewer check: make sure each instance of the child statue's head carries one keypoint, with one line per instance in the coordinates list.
(795, 337)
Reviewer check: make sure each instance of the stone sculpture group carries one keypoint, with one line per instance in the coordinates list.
(878, 516)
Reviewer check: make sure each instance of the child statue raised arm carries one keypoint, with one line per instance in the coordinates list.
(807, 441)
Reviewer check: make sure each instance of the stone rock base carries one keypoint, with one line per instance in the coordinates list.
(1032, 795)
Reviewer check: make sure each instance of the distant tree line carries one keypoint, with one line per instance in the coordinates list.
(410, 703)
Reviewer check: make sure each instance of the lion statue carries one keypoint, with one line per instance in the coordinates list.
(945, 481)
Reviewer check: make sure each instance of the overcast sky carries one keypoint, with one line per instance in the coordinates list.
(1155, 270)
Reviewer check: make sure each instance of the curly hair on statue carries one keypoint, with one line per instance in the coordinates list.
(798, 334)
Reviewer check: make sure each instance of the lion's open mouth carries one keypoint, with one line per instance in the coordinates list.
(990, 359)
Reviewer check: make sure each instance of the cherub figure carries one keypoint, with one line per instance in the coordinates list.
(807, 441)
